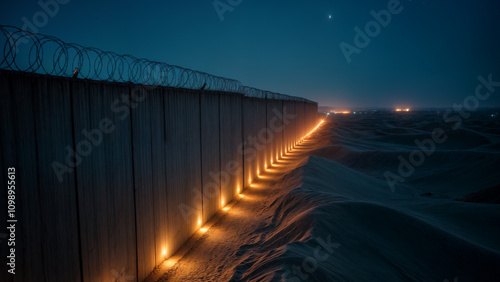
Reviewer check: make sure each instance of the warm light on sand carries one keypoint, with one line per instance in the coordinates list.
(271, 166)
(321, 122)
(276, 166)
(170, 262)
(262, 177)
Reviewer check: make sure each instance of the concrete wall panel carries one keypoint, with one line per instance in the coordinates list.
(274, 129)
(183, 163)
(160, 174)
(254, 121)
(58, 202)
(144, 169)
(105, 180)
(210, 154)
(230, 139)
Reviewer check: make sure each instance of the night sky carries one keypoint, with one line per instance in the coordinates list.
(430, 53)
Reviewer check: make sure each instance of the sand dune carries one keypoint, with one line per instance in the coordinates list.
(419, 232)
(384, 236)
(333, 217)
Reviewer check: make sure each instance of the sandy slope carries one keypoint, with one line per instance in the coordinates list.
(330, 215)
(233, 245)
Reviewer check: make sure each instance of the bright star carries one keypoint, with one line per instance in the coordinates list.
(330, 17)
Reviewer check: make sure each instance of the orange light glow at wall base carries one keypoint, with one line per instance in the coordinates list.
(321, 122)
(199, 222)
(164, 253)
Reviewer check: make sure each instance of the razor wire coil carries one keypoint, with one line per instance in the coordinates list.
(37, 53)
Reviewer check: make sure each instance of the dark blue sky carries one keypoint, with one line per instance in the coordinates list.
(430, 54)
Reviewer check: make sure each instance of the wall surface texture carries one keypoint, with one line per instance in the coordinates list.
(112, 178)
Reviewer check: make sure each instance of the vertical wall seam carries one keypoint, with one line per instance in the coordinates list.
(220, 150)
(77, 198)
(242, 143)
(152, 179)
(165, 99)
(133, 184)
(201, 155)
(283, 140)
(37, 161)
(268, 145)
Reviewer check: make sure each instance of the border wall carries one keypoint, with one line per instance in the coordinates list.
(112, 178)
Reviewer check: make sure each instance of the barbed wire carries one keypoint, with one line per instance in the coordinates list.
(37, 53)
(263, 94)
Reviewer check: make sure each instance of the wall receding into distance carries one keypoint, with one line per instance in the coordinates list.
(141, 168)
